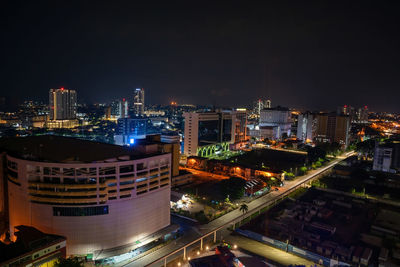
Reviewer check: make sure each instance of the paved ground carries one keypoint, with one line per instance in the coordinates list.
(195, 232)
(270, 253)
(246, 258)
(205, 175)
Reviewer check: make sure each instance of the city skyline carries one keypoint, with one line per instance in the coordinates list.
(220, 55)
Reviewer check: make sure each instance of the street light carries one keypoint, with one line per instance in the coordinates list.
(234, 246)
(179, 264)
(188, 258)
(198, 252)
(207, 247)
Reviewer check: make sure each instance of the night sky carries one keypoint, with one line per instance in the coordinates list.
(301, 54)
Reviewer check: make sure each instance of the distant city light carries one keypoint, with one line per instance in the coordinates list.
(131, 141)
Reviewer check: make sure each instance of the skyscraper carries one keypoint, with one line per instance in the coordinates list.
(124, 108)
(62, 104)
(138, 102)
(260, 105)
(333, 128)
(306, 127)
(116, 109)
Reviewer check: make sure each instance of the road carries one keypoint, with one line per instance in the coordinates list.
(210, 176)
(229, 217)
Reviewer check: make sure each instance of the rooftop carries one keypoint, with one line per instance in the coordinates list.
(64, 149)
(28, 239)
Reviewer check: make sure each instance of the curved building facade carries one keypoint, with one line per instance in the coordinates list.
(97, 204)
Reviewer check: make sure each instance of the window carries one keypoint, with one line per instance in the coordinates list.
(69, 181)
(141, 173)
(57, 247)
(46, 170)
(13, 174)
(126, 175)
(127, 182)
(127, 168)
(84, 211)
(141, 180)
(141, 166)
(12, 165)
(107, 170)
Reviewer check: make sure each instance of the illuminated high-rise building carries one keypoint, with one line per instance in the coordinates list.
(362, 115)
(306, 127)
(260, 105)
(62, 104)
(333, 128)
(116, 109)
(138, 102)
(124, 108)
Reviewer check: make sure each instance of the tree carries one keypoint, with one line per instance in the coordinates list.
(367, 147)
(303, 170)
(232, 187)
(70, 262)
(314, 153)
(243, 208)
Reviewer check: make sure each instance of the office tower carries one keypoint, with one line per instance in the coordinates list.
(333, 128)
(107, 113)
(260, 105)
(362, 115)
(62, 104)
(276, 122)
(306, 127)
(98, 196)
(124, 109)
(207, 133)
(138, 102)
(116, 109)
(349, 111)
(129, 130)
(239, 122)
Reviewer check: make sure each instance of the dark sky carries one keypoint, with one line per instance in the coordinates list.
(314, 55)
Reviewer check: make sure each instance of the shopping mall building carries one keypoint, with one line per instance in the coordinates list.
(99, 196)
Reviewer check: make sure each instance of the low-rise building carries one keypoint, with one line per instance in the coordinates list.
(32, 248)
